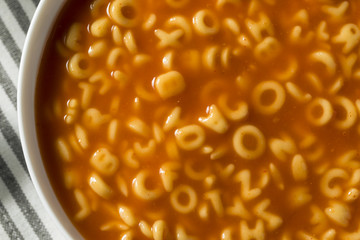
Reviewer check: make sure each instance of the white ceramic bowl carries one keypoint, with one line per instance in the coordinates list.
(39, 31)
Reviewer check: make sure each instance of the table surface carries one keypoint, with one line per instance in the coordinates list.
(22, 216)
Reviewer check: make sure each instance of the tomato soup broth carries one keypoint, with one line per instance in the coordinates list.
(207, 119)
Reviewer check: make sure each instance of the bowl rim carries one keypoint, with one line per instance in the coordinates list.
(39, 31)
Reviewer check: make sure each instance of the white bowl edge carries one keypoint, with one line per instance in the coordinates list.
(38, 33)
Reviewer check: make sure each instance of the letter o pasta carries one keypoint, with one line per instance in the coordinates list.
(80, 66)
(206, 23)
(124, 13)
(191, 199)
(190, 137)
(319, 112)
(242, 149)
(272, 104)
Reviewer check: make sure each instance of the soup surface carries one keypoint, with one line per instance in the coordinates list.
(207, 119)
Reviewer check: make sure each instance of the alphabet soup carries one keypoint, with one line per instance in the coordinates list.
(208, 119)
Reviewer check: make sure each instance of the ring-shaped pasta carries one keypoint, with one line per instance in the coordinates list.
(177, 3)
(192, 171)
(319, 112)
(206, 22)
(350, 113)
(124, 13)
(272, 105)
(140, 188)
(190, 137)
(178, 205)
(241, 148)
(80, 66)
(180, 22)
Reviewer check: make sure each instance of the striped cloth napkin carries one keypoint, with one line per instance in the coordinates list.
(22, 215)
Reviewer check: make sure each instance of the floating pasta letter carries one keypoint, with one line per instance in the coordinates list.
(141, 190)
(268, 97)
(257, 233)
(215, 120)
(339, 213)
(349, 36)
(190, 137)
(249, 142)
(98, 185)
(170, 84)
(179, 204)
(247, 194)
(104, 162)
(124, 13)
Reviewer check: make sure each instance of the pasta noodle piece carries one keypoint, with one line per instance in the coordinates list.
(100, 187)
(350, 112)
(80, 66)
(87, 94)
(98, 49)
(182, 23)
(297, 93)
(122, 186)
(299, 168)
(260, 28)
(249, 142)
(214, 120)
(232, 25)
(140, 187)
(276, 176)
(129, 41)
(216, 202)
(267, 50)
(102, 79)
(130, 160)
(247, 193)
(81, 136)
(194, 171)
(112, 131)
(170, 84)
(352, 195)
(116, 35)
(138, 126)
(236, 113)
(124, 12)
(179, 204)
(327, 185)
(145, 151)
(299, 196)
(173, 119)
(339, 213)
(171, 39)
(149, 22)
(349, 36)
(104, 162)
(168, 173)
(319, 112)
(190, 137)
(257, 233)
(101, 27)
(98, 7)
(268, 97)
(282, 147)
(326, 59)
(336, 12)
(85, 210)
(206, 22)
(75, 37)
(127, 215)
(63, 149)
(145, 228)
(238, 209)
(115, 57)
(160, 230)
(273, 221)
(72, 111)
(93, 119)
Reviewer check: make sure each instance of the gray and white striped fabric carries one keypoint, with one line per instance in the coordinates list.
(22, 215)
